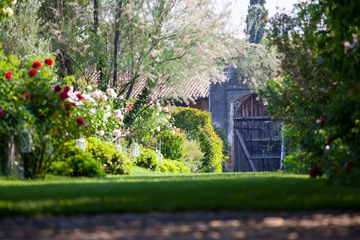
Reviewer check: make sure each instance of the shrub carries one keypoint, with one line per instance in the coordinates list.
(197, 124)
(147, 158)
(76, 162)
(192, 155)
(172, 145)
(172, 166)
(220, 131)
(104, 152)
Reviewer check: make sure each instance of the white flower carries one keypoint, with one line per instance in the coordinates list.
(159, 109)
(117, 112)
(158, 129)
(93, 110)
(89, 87)
(116, 132)
(347, 46)
(8, 11)
(13, 2)
(108, 107)
(318, 120)
(102, 132)
(172, 132)
(108, 114)
(104, 97)
(109, 91)
(166, 109)
(72, 95)
(327, 147)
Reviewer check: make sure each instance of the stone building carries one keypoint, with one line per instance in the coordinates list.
(255, 140)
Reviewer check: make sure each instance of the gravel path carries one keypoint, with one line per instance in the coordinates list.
(187, 225)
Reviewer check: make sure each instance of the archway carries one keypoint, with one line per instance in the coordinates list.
(257, 139)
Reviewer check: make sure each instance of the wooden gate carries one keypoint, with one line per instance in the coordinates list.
(257, 139)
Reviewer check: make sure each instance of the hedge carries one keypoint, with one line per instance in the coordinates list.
(197, 124)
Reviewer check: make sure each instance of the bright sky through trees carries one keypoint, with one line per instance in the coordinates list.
(240, 7)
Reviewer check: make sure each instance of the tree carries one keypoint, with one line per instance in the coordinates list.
(317, 93)
(20, 34)
(255, 20)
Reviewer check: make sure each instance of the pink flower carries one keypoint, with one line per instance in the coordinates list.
(48, 62)
(104, 97)
(355, 40)
(63, 95)
(129, 106)
(159, 109)
(32, 73)
(121, 97)
(2, 112)
(93, 110)
(8, 75)
(116, 132)
(80, 121)
(36, 64)
(26, 95)
(166, 109)
(108, 107)
(68, 114)
(102, 133)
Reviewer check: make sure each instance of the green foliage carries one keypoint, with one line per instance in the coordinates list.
(104, 152)
(172, 145)
(220, 131)
(192, 155)
(28, 100)
(147, 158)
(197, 124)
(255, 26)
(21, 33)
(318, 95)
(77, 163)
(172, 166)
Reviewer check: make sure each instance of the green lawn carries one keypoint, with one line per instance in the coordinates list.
(147, 191)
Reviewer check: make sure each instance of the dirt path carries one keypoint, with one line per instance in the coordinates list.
(187, 225)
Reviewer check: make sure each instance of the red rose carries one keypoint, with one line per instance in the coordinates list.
(80, 121)
(68, 114)
(74, 104)
(314, 172)
(80, 97)
(63, 95)
(329, 140)
(8, 75)
(32, 72)
(2, 112)
(350, 165)
(57, 88)
(322, 123)
(66, 89)
(48, 62)
(26, 95)
(36, 64)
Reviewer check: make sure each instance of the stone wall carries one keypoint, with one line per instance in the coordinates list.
(221, 105)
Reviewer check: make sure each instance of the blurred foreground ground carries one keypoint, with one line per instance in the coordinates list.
(187, 225)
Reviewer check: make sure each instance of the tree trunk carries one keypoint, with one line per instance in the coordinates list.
(96, 15)
(116, 40)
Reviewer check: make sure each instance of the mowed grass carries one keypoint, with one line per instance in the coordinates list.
(149, 191)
